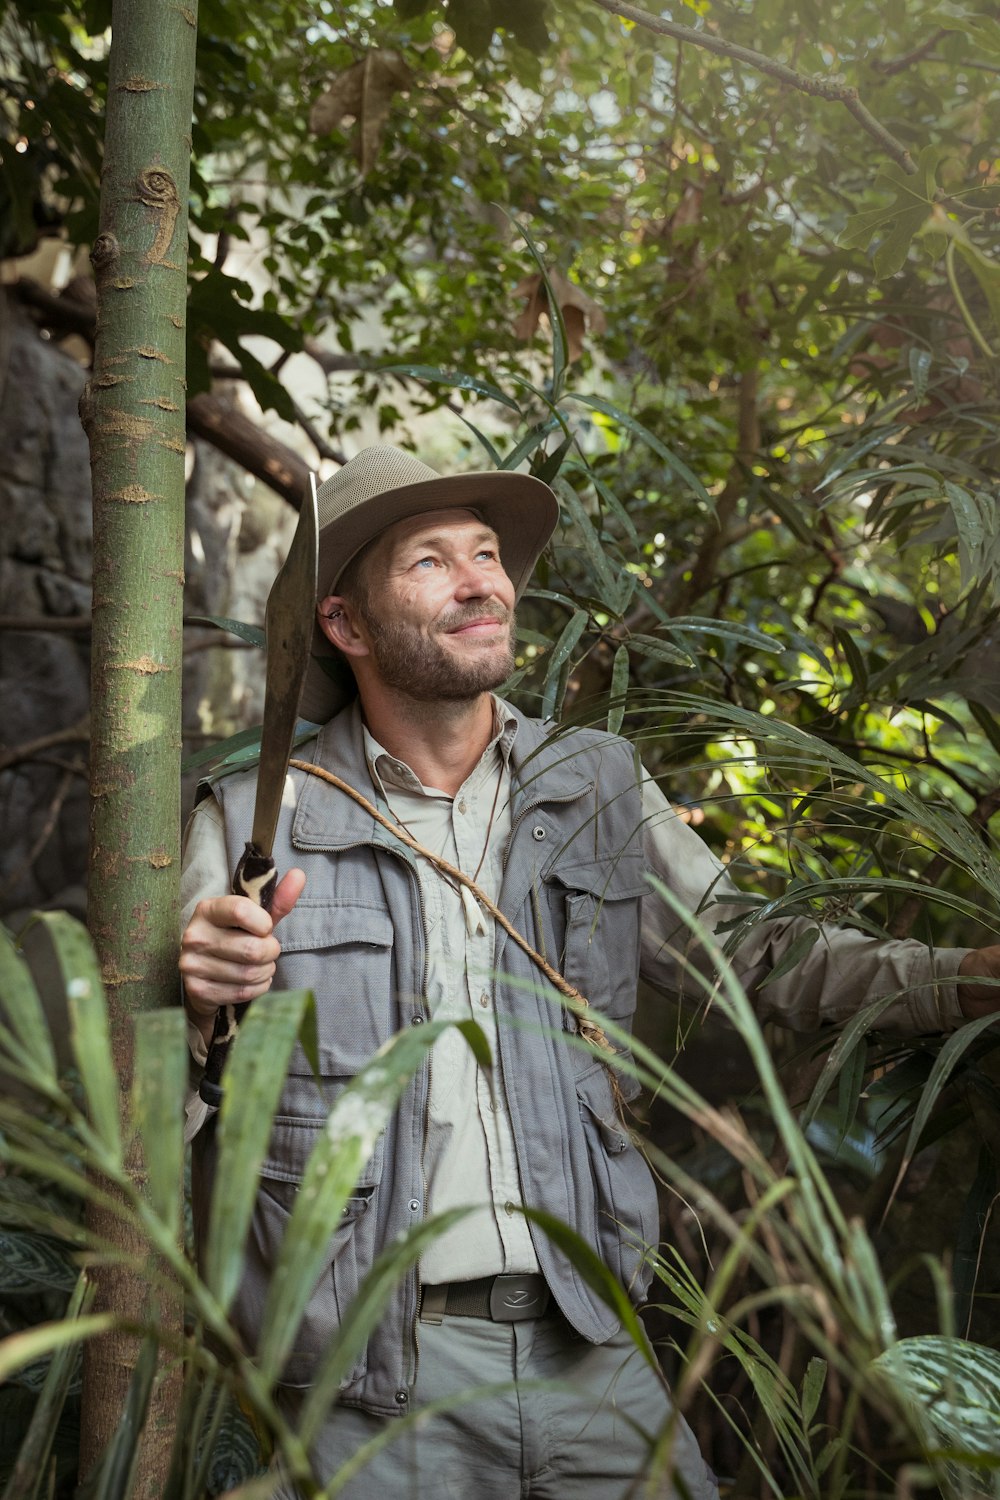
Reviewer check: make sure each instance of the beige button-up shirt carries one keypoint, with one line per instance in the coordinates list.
(469, 1153)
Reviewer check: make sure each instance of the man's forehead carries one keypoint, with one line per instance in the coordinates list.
(435, 522)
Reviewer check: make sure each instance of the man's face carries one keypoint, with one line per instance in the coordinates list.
(438, 608)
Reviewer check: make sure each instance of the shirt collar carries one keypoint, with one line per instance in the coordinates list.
(387, 770)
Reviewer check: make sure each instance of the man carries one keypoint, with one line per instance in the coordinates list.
(419, 579)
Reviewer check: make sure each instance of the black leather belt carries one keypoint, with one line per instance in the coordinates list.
(502, 1299)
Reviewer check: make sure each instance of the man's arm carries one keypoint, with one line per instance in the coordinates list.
(842, 971)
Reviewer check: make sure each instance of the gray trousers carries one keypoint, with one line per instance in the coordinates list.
(585, 1438)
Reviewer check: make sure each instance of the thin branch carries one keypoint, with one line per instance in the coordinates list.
(895, 65)
(836, 90)
(47, 830)
(75, 623)
(319, 442)
(73, 734)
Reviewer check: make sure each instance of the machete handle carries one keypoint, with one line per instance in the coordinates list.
(256, 878)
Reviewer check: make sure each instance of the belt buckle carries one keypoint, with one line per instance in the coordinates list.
(514, 1299)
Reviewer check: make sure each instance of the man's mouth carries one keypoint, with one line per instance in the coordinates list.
(477, 624)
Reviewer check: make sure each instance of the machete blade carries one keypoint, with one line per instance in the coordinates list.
(288, 626)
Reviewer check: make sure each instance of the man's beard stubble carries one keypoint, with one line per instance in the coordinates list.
(417, 666)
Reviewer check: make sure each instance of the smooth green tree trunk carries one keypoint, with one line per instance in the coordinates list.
(133, 411)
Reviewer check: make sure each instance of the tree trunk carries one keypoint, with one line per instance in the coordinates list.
(133, 410)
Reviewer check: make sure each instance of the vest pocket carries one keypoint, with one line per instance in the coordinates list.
(343, 952)
(626, 1213)
(350, 1252)
(600, 947)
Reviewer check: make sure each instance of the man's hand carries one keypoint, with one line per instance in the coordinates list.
(228, 950)
(979, 999)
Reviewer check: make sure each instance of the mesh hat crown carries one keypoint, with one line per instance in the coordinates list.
(383, 485)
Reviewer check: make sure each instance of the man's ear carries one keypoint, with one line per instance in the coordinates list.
(339, 624)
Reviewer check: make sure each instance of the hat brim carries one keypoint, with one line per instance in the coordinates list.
(523, 512)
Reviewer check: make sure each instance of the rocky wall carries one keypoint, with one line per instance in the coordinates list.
(237, 534)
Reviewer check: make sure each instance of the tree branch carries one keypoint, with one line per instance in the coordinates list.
(268, 459)
(836, 90)
(73, 734)
(896, 65)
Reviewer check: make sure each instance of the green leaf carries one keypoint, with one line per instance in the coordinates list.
(673, 463)
(22, 1349)
(254, 634)
(582, 531)
(793, 956)
(364, 1312)
(595, 1273)
(240, 751)
(532, 440)
(115, 1475)
(812, 1388)
(158, 1087)
(619, 689)
(346, 1141)
(954, 1387)
(652, 645)
(90, 1034)
(455, 380)
(23, 1010)
(956, 1045)
(254, 1079)
(899, 222)
(31, 1465)
(560, 343)
(559, 658)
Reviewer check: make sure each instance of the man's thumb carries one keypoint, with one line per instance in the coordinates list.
(286, 893)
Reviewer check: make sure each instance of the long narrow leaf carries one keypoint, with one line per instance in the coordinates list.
(355, 1123)
(33, 1455)
(631, 424)
(22, 1349)
(451, 378)
(252, 634)
(364, 1312)
(560, 343)
(944, 1065)
(255, 1076)
(161, 1065)
(24, 1012)
(90, 1033)
(559, 658)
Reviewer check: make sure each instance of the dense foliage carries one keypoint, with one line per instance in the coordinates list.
(750, 327)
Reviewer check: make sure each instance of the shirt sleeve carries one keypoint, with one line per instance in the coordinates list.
(843, 970)
(204, 873)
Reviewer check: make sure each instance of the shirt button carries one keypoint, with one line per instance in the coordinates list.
(414, 1205)
(484, 1000)
(508, 1208)
(461, 806)
(538, 833)
(402, 1397)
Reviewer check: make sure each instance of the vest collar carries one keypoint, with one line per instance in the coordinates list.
(543, 769)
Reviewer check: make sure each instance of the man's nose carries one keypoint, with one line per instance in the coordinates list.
(473, 581)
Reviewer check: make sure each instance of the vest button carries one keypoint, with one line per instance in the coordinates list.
(414, 1205)
(417, 1021)
(402, 1397)
(538, 833)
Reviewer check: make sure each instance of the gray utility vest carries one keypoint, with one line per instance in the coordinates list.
(572, 885)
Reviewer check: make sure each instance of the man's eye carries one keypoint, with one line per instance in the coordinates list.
(425, 562)
(488, 553)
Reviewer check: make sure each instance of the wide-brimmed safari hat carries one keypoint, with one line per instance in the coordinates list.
(382, 485)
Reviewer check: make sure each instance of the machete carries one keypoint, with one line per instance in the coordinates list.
(288, 627)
